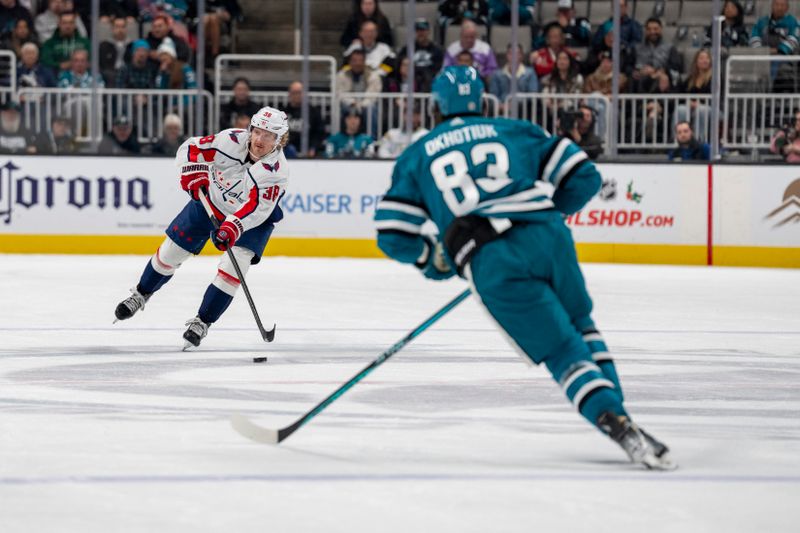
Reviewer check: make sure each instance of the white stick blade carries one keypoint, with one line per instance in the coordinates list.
(246, 428)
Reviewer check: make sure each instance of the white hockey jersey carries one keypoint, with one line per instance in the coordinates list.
(244, 193)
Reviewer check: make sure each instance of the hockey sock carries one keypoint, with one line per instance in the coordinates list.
(215, 302)
(587, 387)
(151, 280)
(600, 354)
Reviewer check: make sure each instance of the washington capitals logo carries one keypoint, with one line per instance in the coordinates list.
(235, 135)
(272, 168)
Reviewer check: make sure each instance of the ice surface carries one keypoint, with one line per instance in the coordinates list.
(112, 428)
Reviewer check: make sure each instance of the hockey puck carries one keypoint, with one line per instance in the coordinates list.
(259, 359)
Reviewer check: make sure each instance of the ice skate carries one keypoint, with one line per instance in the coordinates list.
(196, 331)
(130, 305)
(640, 447)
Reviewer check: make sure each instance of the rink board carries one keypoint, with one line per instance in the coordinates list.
(668, 214)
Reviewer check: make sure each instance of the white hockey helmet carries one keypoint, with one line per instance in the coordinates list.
(272, 120)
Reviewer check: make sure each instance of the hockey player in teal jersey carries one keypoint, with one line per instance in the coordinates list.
(498, 190)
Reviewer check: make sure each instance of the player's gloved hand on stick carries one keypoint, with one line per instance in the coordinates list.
(433, 263)
(195, 176)
(225, 236)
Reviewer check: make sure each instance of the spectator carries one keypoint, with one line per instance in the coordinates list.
(58, 140)
(31, 73)
(139, 73)
(500, 11)
(241, 121)
(47, 22)
(395, 140)
(543, 60)
(582, 131)
(127, 9)
(366, 10)
(397, 82)
(655, 58)
(689, 148)
(465, 59)
(20, 36)
(173, 73)
(357, 77)
(379, 56)
(239, 105)
(121, 140)
(14, 137)
(159, 31)
(698, 82)
(174, 10)
(112, 53)
(172, 138)
(630, 31)
(428, 56)
(779, 31)
(57, 50)
(599, 81)
(482, 53)
(786, 142)
(733, 31)
(627, 56)
(577, 31)
(457, 11)
(218, 15)
(564, 79)
(294, 111)
(350, 143)
(10, 12)
(500, 82)
(78, 75)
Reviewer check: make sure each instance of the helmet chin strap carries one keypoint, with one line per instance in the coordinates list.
(253, 156)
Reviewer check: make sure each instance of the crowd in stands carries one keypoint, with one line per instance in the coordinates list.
(150, 44)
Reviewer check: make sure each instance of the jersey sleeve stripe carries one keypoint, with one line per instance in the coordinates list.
(406, 201)
(552, 163)
(251, 205)
(574, 170)
(398, 225)
(541, 189)
(539, 204)
(390, 205)
(568, 165)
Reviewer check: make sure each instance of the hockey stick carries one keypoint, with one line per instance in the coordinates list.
(268, 336)
(272, 436)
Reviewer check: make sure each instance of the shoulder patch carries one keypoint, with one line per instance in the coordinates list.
(235, 135)
(272, 168)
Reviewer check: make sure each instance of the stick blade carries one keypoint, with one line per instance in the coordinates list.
(244, 427)
(269, 336)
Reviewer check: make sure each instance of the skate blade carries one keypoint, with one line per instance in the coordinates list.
(187, 345)
(663, 463)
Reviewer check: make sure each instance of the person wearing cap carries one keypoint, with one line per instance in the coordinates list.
(121, 140)
(577, 30)
(112, 53)
(173, 73)
(78, 75)
(350, 143)
(57, 50)
(172, 138)
(631, 32)
(500, 11)
(14, 137)
(58, 139)
(159, 31)
(31, 73)
(138, 73)
(428, 56)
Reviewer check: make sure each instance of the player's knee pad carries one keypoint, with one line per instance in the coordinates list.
(227, 279)
(168, 257)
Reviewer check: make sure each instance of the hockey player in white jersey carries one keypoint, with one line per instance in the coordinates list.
(244, 175)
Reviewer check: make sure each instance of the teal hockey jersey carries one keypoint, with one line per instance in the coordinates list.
(492, 167)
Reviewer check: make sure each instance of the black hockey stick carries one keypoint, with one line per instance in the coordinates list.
(268, 336)
(273, 436)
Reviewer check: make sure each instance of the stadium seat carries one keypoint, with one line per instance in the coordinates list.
(697, 13)
(501, 38)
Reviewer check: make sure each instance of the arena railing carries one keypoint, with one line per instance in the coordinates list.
(145, 109)
(279, 99)
(647, 121)
(762, 94)
(266, 77)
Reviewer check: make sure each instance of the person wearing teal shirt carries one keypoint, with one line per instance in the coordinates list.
(498, 191)
(350, 143)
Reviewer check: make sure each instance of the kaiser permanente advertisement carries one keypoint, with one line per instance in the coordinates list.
(643, 213)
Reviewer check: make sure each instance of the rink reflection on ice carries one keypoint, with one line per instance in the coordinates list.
(113, 428)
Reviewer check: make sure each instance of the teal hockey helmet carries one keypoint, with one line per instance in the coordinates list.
(458, 90)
